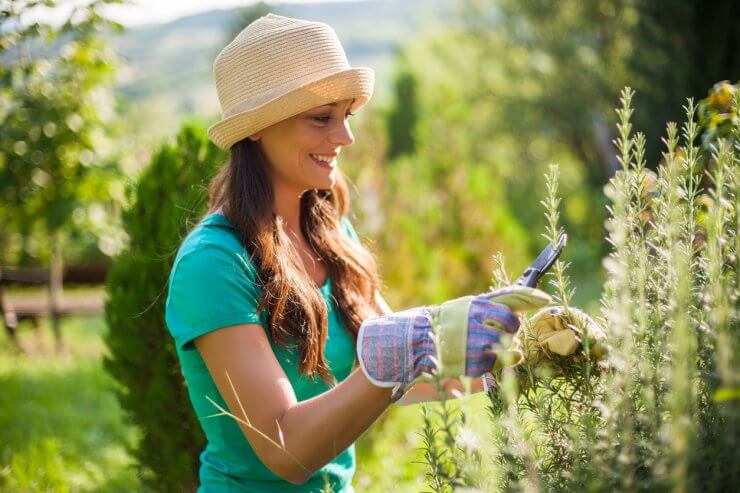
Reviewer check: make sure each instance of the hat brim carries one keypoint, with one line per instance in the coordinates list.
(354, 83)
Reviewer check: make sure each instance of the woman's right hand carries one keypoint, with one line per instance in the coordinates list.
(458, 337)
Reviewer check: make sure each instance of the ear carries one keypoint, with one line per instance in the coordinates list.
(256, 136)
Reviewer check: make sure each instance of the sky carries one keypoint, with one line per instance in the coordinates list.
(139, 12)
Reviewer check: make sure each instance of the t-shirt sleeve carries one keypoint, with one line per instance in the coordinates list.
(210, 287)
(349, 229)
(353, 234)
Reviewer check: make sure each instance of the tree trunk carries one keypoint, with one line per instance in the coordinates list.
(56, 269)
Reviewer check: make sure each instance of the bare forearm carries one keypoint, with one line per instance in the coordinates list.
(318, 429)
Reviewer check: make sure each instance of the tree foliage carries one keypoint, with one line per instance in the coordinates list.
(509, 87)
(245, 17)
(167, 198)
(55, 104)
(402, 119)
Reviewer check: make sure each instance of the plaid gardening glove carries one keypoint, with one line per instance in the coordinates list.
(397, 349)
(557, 331)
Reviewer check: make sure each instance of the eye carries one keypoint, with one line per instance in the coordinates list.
(325, 119)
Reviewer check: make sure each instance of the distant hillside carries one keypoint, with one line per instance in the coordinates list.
(167, 68)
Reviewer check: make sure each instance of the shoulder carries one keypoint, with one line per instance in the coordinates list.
(212, 250)
(213, 283)
(212, 233)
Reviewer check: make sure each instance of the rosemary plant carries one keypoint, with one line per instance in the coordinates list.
(662, 412)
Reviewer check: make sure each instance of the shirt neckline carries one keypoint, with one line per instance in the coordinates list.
(222, 219)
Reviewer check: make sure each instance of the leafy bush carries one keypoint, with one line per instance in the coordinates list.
(665, 414)
(169, 195)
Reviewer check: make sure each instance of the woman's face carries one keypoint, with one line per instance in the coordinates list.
(292, 144)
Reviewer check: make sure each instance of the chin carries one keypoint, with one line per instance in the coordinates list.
(327, 182)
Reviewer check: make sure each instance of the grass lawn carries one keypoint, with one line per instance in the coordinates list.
(61, 428)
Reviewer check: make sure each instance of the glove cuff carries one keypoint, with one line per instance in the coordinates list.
(450, 323)
(404, 348)
(360, 352)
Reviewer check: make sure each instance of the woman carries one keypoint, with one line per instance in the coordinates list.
(272, 299)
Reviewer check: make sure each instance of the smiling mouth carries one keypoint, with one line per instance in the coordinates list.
(324, 164)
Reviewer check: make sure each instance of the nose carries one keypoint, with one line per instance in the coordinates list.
(342, 135)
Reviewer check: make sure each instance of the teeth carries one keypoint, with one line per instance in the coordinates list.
(326, 159)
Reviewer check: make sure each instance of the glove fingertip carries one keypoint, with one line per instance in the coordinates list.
(489, 383)
(494, 325)
(398, 393)
(503, 327)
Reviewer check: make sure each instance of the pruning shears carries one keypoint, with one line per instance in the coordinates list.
(530, 278)
(532, 275)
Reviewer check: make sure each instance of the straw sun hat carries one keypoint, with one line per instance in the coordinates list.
(278, 67)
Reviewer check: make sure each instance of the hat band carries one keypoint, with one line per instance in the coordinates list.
(282, 89)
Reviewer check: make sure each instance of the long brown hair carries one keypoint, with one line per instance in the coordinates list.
(297, 312)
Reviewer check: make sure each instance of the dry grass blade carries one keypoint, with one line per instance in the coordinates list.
(249, 425)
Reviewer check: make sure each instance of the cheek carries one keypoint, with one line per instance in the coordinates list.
(284, 150)
(292, 146)
(311, 140)
(312, 137)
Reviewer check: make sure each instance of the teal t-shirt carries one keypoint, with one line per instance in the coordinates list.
(212, 285)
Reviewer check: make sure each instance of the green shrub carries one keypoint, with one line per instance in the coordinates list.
(665, 414)
(169, 195)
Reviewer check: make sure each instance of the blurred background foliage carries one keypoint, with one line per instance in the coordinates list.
(165, 203)
(474, 98)
(55, 181)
